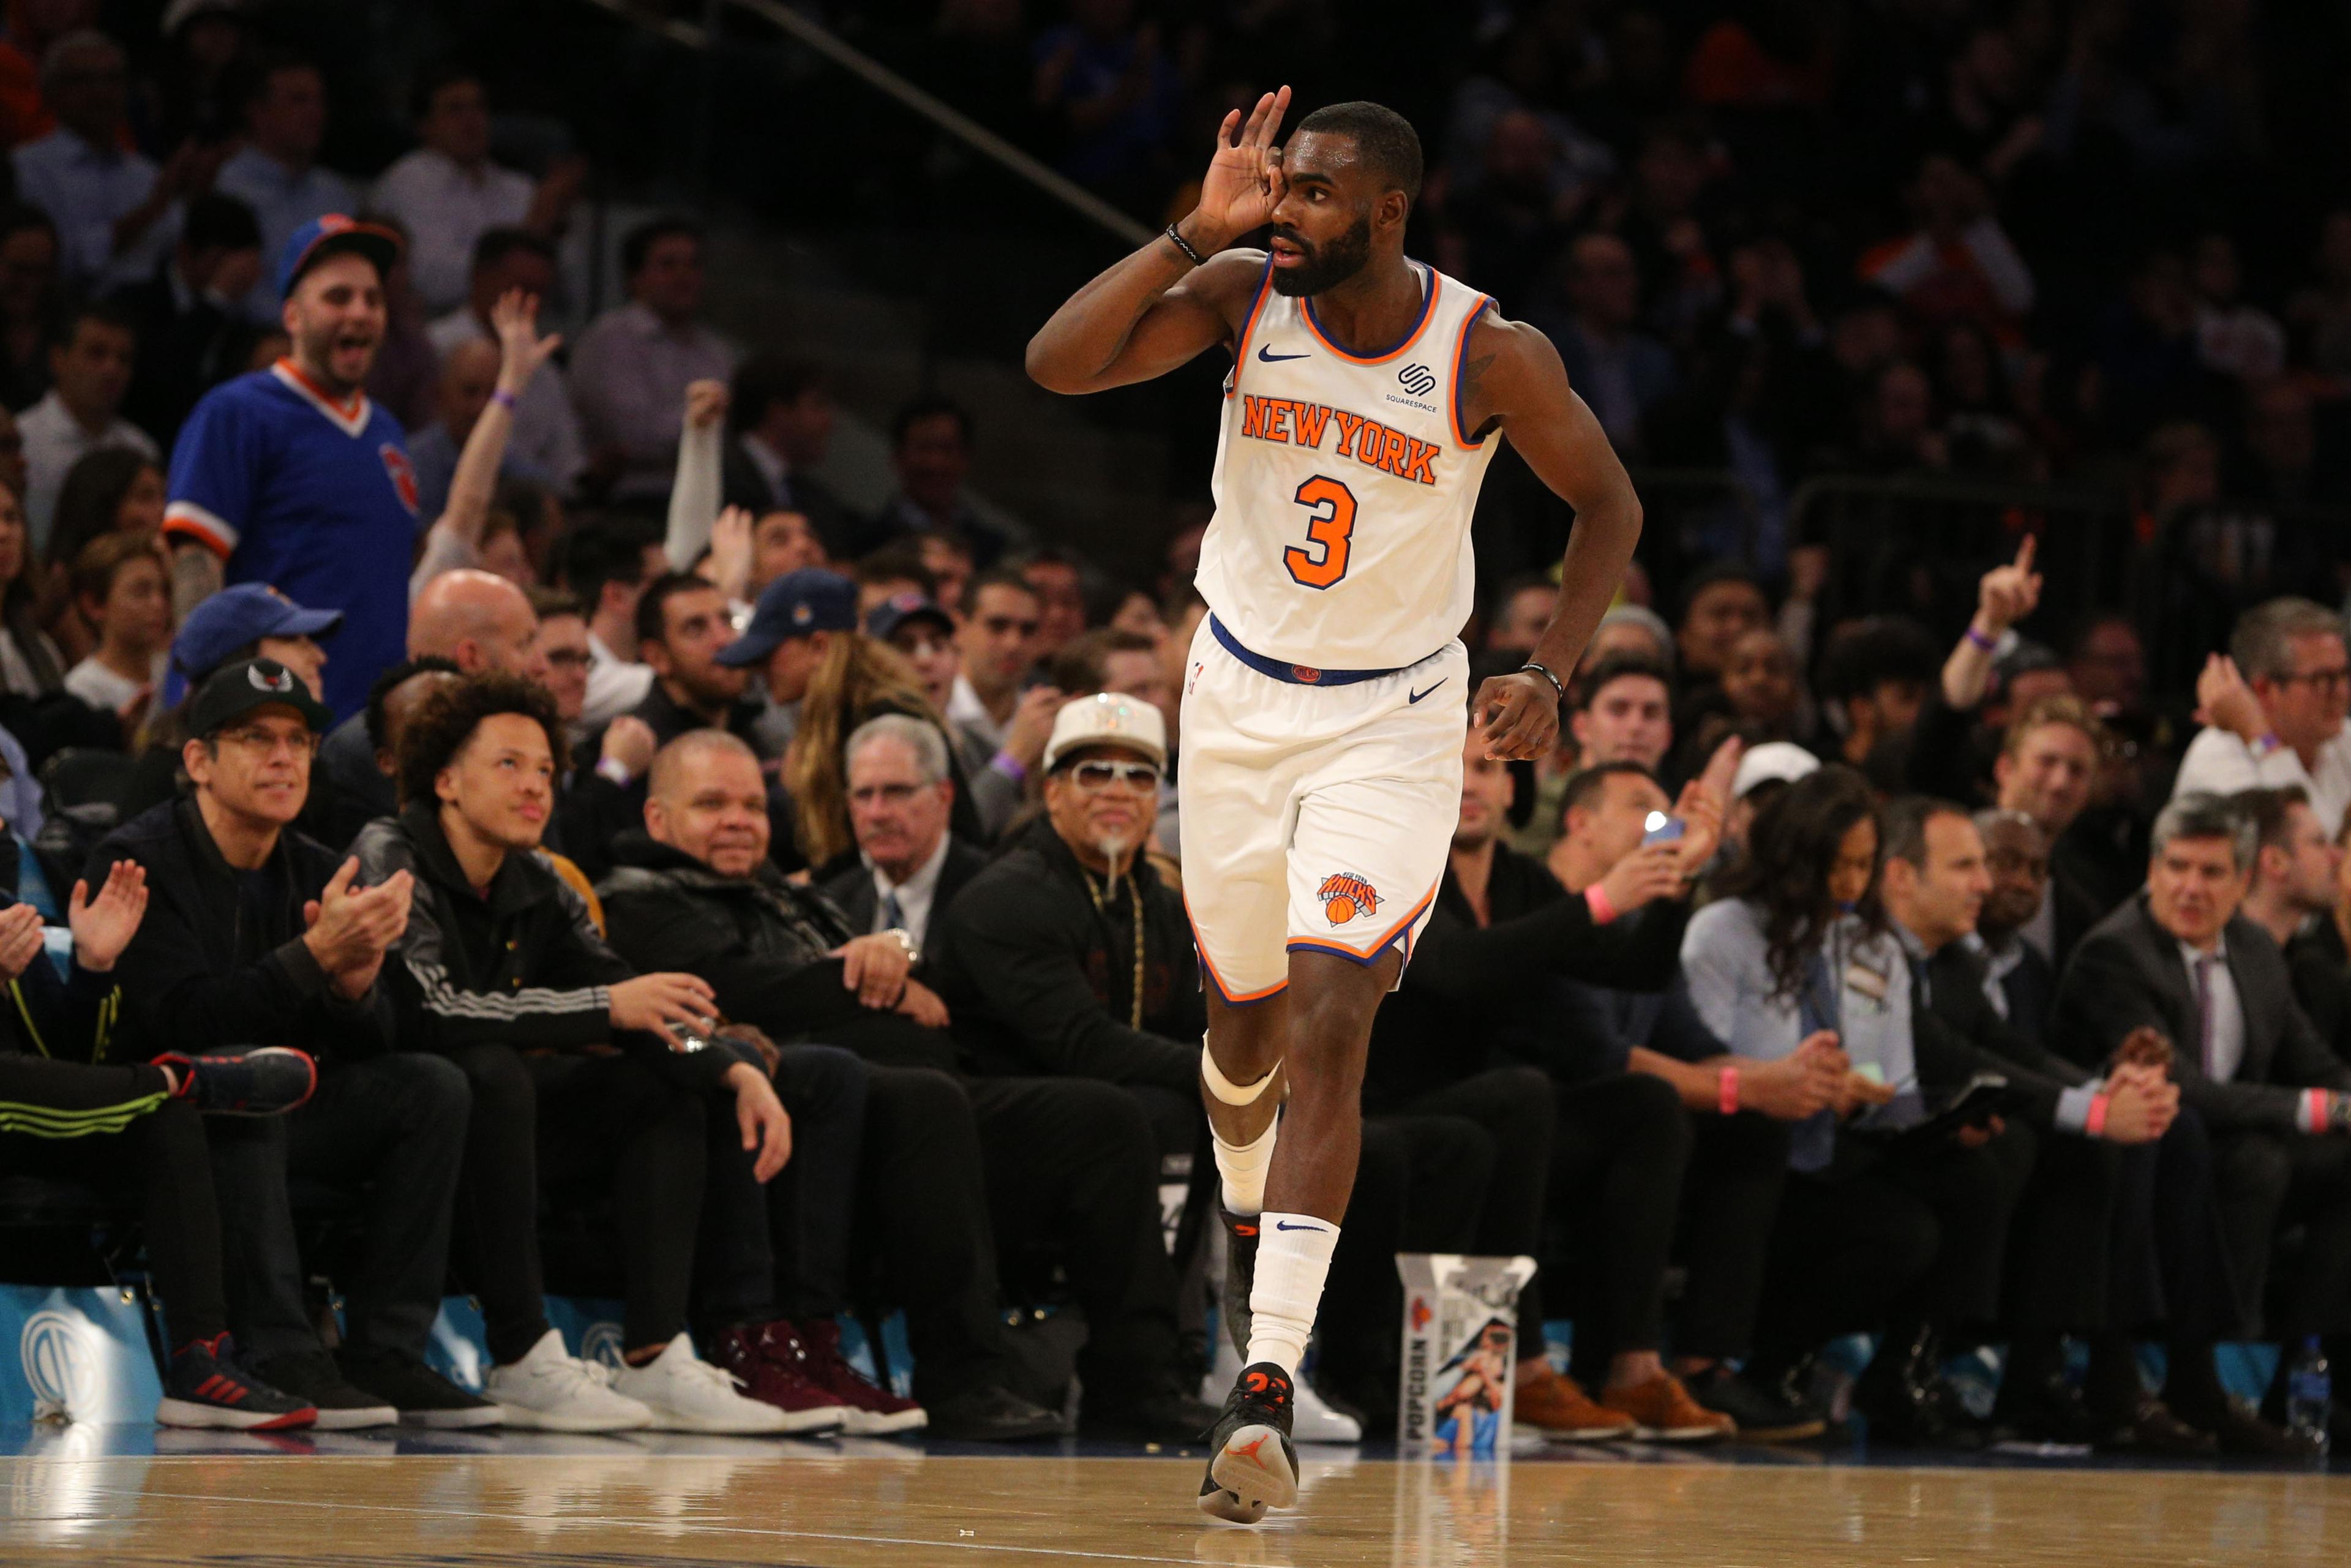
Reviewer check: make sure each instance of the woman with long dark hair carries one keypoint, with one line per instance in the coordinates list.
(109, 491)
(1875, 1231)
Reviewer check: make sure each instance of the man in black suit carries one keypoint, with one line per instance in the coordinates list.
(2019, 979)
(2180, 960)
(192, 333)
(2093, 1246)
(900, 796)
(955, 1170)
(781, 411)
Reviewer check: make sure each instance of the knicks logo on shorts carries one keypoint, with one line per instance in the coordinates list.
(1346, 896)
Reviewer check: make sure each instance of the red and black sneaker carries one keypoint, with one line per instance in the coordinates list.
(1240, 1276)
(873, 1410)
(775, 1369)
(1251, 1465)
(207, 1386)
(267, 1080)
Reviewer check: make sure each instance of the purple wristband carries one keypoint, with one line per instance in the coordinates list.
(1989, 644)
(1004, 762)
(503, 399)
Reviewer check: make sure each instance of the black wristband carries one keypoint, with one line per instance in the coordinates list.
(1546, 675)
(1193, 257)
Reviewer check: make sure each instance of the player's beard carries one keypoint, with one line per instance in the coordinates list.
(1327, 265)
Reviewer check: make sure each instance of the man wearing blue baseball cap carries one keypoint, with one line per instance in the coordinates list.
(792, 627)
(251, 620)
(291, 476)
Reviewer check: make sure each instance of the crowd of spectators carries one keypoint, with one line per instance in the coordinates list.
(552, 818)
(2079, 243)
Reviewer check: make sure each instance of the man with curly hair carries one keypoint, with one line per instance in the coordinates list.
(584, 1073)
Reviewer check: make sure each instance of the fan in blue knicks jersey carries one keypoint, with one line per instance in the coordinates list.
(294, 477)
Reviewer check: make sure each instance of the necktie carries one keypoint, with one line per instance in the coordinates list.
(894, 914)
(2204, 1013)
(1812, 1141)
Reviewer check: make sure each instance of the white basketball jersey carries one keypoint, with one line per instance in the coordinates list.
(1344, 485)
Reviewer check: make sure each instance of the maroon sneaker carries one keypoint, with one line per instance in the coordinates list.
(873, 1410)
(774, 1370)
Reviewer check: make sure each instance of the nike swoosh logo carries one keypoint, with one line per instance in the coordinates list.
(1285, 1225)
(1265, 351)
(1418, 695)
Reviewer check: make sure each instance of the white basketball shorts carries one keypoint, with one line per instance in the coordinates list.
(1315, 817)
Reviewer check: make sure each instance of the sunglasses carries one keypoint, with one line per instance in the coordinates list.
(1092, 777)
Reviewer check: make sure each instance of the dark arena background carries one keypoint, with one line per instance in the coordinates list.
(1877, 1090)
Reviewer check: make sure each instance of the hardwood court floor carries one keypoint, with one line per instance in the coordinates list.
(537, 1501)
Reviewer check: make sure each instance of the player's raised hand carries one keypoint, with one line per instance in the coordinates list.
(1244, 180)
(1520, 714)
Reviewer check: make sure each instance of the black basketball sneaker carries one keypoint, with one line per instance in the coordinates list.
(1240, 1276)
(1251, 1465)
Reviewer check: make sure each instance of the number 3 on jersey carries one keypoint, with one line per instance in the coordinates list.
(1329, 529)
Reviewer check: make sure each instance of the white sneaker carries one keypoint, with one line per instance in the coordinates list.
(551, 1391)
(1311, 1419)
(686, 1394)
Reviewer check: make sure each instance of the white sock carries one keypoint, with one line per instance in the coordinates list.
(1294, 1255)
(1244, 1169)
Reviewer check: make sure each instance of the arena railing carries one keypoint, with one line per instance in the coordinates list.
(1049, 182)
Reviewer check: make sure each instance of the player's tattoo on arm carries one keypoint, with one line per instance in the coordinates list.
(1473, 376)
(195, 577)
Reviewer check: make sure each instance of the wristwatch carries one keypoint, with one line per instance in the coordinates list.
(906, 943)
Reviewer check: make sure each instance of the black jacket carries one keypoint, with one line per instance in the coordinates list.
(852, 890)
(764, 944)
(2128, 972)
(2030, 986)
(523, 966)
(2322, 983)
(1035, 961)
(348, 791)
(1473, 991)
(203, 972)
(1959, 1032)
(69, 1019)
(184, 352)
(846, 535)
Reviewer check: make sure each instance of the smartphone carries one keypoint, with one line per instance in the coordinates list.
(1662, 829)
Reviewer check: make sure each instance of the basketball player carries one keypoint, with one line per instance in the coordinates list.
(1323, 694)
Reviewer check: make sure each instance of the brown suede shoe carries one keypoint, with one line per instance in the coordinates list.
(1564, 1412)
(1663, 1412)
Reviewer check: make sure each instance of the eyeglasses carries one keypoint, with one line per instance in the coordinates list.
(2324, 680)
(885, 794)
(267, 743)
(1095, 776)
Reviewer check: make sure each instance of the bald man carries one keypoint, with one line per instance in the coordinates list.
(479, 622)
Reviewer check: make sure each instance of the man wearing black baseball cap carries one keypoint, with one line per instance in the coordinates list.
(291, 476)
(232, 954)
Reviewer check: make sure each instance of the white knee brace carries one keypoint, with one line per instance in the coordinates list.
(1225, 1089)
